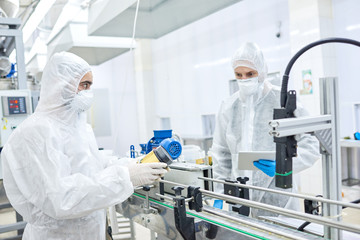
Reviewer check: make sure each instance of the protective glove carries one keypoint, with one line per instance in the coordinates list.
(218, 204)
(267, 166)
(146, 173)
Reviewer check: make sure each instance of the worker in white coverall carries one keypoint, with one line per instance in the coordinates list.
(243, 125)
(54, 175)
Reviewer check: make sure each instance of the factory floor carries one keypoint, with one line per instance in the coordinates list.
(351, 216)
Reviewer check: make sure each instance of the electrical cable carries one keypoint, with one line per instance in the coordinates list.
(127, 68)
(305, 224)
(284, 85)
(355, 201)
(302, 226)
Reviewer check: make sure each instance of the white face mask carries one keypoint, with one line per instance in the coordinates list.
(248, 86)
(82, 101)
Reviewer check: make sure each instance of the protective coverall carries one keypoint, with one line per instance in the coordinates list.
(243, 125)
(53, 173)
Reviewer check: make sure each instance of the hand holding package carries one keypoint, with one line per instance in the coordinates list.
(146, 173)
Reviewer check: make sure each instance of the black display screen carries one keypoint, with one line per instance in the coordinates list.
(17, 105)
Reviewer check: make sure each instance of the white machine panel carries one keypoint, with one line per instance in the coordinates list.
(15, 107)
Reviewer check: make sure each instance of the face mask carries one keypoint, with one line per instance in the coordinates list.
(248, 86)
(82, 101)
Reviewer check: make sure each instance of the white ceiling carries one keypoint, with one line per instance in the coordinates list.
(105, 18)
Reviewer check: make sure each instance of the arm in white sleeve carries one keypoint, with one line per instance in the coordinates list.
(308, 150)
(43, 175)
(220, 151)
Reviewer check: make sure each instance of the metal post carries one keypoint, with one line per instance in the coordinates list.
(20, 60)
(331, 169)
(13, 41)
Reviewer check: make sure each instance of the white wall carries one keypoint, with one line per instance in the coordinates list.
(347, 24)
(192, 65)
(118, 76)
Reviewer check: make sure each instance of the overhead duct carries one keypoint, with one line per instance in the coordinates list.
(36, 59)
(155, 17)
(5, 66)
(9, 7)
(94, 49)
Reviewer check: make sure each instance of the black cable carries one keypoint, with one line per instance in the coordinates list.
(284, 85)
(301, 228)
(355, 201)
(305, 224)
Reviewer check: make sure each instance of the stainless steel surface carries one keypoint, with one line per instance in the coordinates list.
(237, 219)
(12, 227)
(229, 225)
(170, 198)
(292, 126)
(285, 212)
(350, 162)
(331, 163)
(319, 199)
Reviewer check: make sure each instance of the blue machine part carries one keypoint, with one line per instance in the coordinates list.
(132, 151)
(155, 141)
(143, 148)
(12, 71)
(172, 146)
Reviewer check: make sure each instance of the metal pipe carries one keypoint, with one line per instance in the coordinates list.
(287, 235)
(351, 205)
(243, 221)
(172, 199)
(174, 183)
(163, 196)
(251, 224)
(286, 212)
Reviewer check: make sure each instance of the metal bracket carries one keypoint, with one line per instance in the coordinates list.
(146, 208)
(196, 202)
(240, 193)
(284, 131)
(185, 225)
(231, 190)
(325, 139)
(311, 207)
(293, 126)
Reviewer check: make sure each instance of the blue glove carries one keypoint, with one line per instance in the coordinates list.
(267, 166)
(218, 204)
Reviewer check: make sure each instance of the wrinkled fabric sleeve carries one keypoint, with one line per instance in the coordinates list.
(308, 150)
(51, 188)
(220, 151)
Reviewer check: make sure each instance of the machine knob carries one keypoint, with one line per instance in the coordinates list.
(177, 190)
(243, 180)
